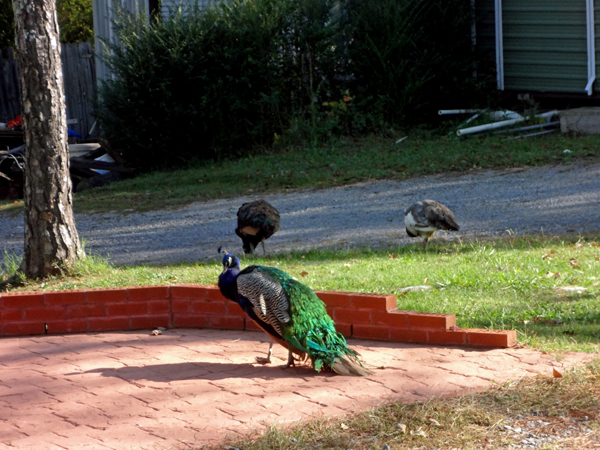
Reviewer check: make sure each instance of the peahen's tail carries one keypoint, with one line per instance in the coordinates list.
(344, 365)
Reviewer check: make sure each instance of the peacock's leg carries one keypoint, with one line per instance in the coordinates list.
(263, 246)
(267, 360)
(290, 361)
(429, 236)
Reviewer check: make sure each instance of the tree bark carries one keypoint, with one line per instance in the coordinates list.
(51, 240)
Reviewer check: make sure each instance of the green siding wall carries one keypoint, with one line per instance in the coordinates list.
(545, 43)
(545, 46)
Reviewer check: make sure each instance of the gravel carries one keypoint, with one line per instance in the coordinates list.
(554, 199)
(556, 432)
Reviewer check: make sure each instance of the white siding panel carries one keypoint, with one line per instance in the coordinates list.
(166, 6)
(104, 11)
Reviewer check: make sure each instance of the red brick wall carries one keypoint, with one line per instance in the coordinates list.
(365, 316)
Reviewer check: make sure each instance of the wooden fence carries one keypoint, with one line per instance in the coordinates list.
(79, 75)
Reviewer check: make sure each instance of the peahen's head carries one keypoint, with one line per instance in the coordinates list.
(229, 261)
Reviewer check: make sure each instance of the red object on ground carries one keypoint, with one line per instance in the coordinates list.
(15, 122)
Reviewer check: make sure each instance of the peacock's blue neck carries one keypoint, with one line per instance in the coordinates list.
(227, 283)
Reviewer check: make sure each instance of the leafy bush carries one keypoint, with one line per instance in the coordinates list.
(409, 58)
(7, 26)
(75, 20)
(242, 74)
(202, 84)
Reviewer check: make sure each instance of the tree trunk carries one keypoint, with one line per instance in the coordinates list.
(51, 240)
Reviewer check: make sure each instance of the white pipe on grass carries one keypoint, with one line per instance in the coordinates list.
(444, 112)
(503, 123)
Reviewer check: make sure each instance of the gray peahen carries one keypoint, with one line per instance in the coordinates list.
(257, 221)
(424, 218)
(291, 314)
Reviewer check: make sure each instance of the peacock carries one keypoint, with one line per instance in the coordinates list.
(426, 217)
(257, 221)
(291, 314)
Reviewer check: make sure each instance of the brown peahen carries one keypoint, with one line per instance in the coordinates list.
(291, 314)
(426, 217)
(257, 221)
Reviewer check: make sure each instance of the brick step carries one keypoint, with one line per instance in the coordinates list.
(364, 316)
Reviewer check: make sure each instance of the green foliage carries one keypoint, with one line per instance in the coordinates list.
(241, 75)
(410, 58)
(75, 20)
(202, 84)
(7, 25)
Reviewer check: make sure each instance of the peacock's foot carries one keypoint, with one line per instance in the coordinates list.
(263, 360)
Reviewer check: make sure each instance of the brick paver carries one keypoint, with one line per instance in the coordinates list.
(131, 390)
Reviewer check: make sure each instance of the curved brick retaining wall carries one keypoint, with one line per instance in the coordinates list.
(365, 316)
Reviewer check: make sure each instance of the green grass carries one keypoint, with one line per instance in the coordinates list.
(511, 283)
(344, 161)
(467, 422)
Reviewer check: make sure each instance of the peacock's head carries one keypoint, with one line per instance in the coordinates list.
(229, 261)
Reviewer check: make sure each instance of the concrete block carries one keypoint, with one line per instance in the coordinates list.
(580, 120)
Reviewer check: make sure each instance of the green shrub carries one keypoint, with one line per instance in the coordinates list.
(7, 25)
(75, 20)
(204, 84)
(411, 57)
(241, 74)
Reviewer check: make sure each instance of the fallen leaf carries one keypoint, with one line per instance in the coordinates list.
(401, 427)
(556, 373)
(576, 289)
(578, 245)
(418, 432)
(435, 422)
(415, 288)
(304, 273)
(546, 256)
(344, 426)
(573, 263)
(393, 256)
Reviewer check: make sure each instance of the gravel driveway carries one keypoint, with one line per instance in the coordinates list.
(556, 199)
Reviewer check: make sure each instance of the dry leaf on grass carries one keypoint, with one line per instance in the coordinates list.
(556, 373)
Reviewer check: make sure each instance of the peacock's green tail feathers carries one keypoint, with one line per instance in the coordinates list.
(310, 329)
